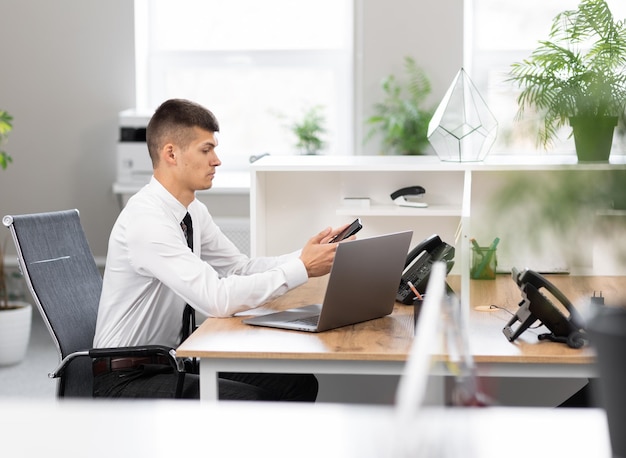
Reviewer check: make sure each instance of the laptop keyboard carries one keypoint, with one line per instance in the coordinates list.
(309, 320)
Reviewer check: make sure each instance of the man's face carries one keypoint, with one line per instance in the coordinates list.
(198, 160)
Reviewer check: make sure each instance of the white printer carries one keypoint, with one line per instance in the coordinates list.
(133, 162)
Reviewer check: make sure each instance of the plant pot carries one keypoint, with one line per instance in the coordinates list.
(593, 137)
(15, 325)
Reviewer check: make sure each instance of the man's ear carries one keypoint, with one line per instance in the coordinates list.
(168, 154)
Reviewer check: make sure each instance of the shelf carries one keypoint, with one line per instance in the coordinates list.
(430, 163)
(394, 210)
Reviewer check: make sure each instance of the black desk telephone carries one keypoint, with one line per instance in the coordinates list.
(535, 306)
(419, 263)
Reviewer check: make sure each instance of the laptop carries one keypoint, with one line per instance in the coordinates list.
(362, 286)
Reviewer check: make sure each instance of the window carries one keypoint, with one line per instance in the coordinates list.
(256, 65)
(500, 33)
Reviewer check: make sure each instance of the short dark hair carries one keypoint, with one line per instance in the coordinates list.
(172, 122)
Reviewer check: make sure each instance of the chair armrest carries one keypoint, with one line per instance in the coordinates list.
(121, 352)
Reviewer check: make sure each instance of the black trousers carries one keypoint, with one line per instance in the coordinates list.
(159, 381)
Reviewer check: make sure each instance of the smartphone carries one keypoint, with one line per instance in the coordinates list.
(352, 229)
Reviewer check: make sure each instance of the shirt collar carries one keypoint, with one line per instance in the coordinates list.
(177, 209)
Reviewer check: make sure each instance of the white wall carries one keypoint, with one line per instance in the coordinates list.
(67, 70)
(388, 30)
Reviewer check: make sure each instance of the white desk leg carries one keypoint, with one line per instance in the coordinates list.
(208, 382)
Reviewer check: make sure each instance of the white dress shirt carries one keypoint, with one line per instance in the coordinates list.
(150, 272)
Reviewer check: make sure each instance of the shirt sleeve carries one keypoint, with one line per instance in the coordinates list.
(219, 281)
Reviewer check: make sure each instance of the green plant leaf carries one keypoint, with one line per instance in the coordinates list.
(6, 126)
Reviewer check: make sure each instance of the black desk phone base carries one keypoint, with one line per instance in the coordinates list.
(418, 265)
(537, 307)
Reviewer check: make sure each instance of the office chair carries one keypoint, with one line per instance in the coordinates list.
(65, 283)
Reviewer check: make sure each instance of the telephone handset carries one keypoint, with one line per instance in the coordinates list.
(535, 306)
(419, 263)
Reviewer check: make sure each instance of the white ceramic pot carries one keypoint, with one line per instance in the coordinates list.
(15, 325)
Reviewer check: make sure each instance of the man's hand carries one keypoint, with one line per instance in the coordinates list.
(318, 255)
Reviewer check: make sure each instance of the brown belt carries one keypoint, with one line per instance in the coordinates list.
(105, 365)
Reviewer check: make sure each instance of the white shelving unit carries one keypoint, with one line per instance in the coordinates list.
(293, 197)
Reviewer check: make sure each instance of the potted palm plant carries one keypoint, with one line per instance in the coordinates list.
(15, 314)
(578, 76)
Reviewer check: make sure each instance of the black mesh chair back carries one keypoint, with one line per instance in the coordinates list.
(65, 283)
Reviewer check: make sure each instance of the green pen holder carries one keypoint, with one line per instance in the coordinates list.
(484, 263)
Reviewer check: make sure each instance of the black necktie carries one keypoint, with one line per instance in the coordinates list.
(189, 314)
(187, 226)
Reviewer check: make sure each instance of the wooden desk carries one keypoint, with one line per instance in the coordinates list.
(381, 346)
(527, 356)
(227, 345)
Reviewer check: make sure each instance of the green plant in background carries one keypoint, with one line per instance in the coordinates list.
(568, 207)
(580, 71)
(6, 125)
(4, 289)
(400, 117)
(309, 130)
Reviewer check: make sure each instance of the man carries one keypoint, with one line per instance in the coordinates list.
(151, 273)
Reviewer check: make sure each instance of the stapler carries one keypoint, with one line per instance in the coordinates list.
(409, 197)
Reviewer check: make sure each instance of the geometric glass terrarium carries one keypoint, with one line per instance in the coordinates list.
(463, 128)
